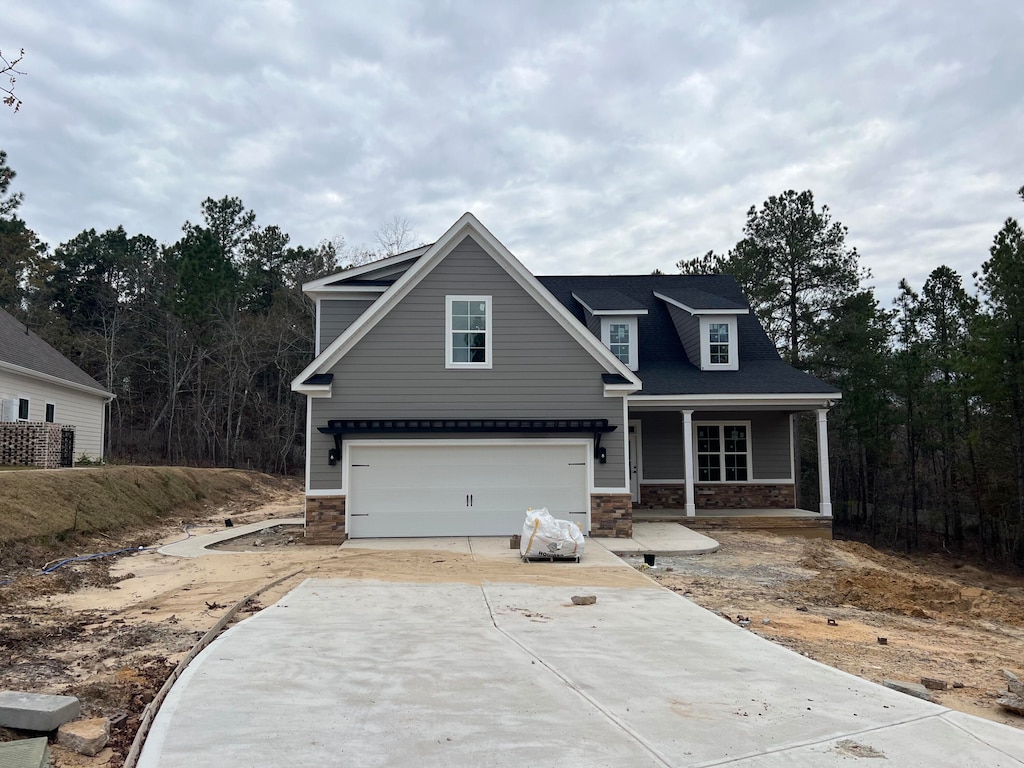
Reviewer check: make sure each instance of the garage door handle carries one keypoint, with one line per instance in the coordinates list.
(469, 499)
(577, 513)
(360, 514)
(577, 463)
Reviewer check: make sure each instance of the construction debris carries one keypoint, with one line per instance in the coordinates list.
(911, 689)
(86, 737)
(1013, 701)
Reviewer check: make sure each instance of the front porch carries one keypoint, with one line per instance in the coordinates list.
(786, 522)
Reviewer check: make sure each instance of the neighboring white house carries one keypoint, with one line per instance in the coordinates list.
(39, 385)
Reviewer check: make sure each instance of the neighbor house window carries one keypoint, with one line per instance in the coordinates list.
(723, 453)
(50, 408)
(718, 338)
(23, 408)
(468, 334)
(619, 335)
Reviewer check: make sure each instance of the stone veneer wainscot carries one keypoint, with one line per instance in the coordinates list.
(325, 520)
(611, 515)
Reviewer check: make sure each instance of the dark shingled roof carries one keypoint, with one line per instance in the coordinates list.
(26, 350)
(663, 365)
(696, 298)
(599, 299)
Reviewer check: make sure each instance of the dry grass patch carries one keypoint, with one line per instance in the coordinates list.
(45, 504)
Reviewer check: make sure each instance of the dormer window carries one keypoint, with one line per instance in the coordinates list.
(619, 334)
(718, 349)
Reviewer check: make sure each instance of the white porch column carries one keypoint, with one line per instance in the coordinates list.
(826, 486)
(691, 508)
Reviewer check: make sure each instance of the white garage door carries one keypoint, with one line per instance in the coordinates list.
(443, 489)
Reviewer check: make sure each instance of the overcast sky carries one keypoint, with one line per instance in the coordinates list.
(588, 137)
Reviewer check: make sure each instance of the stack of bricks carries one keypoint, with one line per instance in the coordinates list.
(30, 444)
(611, 516)
(325, 520)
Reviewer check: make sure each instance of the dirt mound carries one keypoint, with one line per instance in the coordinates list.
(41, 504)
(888, 584)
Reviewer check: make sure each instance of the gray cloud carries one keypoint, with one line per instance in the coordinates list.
(590, 137)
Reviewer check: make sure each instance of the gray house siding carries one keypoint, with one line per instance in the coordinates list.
(769, 441)
(661, 435)
(398, 369)
(336, 315)
(688, 328)
(661, 445)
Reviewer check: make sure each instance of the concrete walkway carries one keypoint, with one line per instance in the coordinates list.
(386, 674)
(661, 539)
(197, 544)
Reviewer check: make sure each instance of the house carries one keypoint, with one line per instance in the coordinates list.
(51, 411)
(452, 389)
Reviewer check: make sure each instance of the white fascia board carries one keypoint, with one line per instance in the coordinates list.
(693, 311)
(599, 312)
(737, 401)
(107, 396)
(467, 224)
(356, 272)
(620, 390)
(312, 390)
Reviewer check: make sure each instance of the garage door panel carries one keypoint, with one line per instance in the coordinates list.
(462, 490)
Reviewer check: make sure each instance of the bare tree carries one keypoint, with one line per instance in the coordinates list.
(8, 70)
(393, 236)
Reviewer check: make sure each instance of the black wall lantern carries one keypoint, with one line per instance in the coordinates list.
(332, 456)
(602, 455)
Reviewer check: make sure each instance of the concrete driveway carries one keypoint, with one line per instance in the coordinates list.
(359, 673)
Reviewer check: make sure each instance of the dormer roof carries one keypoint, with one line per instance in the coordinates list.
(608, 301)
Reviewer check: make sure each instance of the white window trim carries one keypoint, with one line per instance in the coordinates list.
(488, 334)
(48, 404)
(705, 343)
(721, 453)
(28, 408)
(606, 331)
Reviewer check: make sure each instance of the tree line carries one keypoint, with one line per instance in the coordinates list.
(927, 442)
(199, 339)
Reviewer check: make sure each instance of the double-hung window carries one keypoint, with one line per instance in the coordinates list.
(723, 453)
(718, 339)
(619, 334)
(23, 408)
(718, 343)
(468, 333)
